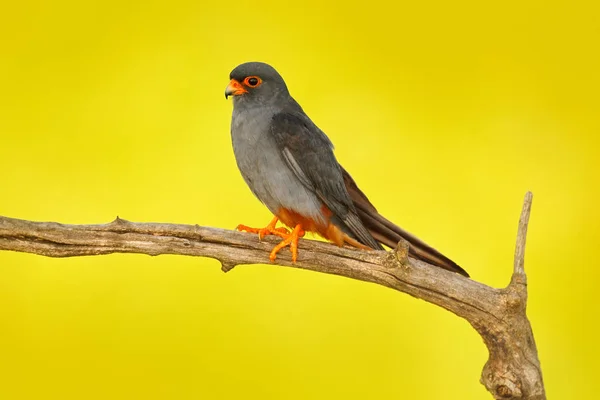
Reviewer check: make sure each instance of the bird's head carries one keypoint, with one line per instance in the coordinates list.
(255, 82)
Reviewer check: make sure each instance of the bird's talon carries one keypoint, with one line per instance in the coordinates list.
(273, 255)
(290, 240)
(267, 230)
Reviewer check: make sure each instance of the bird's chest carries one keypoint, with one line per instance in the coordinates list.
(264, 169)
(262, 166)
(258, 158)
(254, 150)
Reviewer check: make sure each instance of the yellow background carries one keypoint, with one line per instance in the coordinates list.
(444, 112)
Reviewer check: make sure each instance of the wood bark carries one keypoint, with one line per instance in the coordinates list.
(499, 315)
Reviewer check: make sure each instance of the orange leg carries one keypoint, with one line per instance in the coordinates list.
(292, 241)
(267, 230)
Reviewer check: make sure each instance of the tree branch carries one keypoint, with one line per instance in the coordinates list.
(499, 315)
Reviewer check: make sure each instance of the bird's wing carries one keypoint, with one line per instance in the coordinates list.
(309, 153)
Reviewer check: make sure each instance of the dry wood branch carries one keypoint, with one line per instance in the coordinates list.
(499, 315)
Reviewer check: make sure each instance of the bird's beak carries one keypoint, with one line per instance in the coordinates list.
(234, 89)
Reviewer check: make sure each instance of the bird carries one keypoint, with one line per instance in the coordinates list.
(290, 166)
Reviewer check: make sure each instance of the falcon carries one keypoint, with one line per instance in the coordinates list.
(290, 166)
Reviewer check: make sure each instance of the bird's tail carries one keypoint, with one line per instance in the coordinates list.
(390, 234)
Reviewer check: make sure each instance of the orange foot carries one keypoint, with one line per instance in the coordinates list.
(291, 240)
(267, 230)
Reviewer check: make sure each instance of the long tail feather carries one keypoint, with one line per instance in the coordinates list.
(389, 234)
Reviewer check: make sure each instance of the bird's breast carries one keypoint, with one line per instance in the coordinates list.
(264, 169)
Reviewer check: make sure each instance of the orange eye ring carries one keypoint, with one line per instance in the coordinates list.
(252, 81)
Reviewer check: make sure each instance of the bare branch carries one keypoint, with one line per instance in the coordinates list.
(512, 371)
(519, 267)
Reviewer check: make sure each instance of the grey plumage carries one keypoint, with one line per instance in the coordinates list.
(288, 163)
(263, 166)
(310, 155)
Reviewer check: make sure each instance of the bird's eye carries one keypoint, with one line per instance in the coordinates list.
(252, 81)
